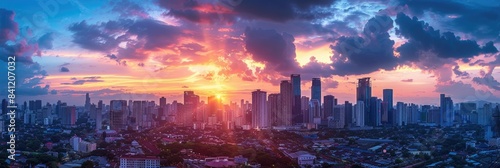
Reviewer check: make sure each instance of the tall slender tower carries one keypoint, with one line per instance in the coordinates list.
(316, 89)
(296, 102)
(260, 117)
(285, 116)
(387, 106)
(190, 108)
(87, 102)
(364, 93)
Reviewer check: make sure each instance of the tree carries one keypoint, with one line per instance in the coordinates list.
(88, 164)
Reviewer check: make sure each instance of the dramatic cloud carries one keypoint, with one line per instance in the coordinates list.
(230, 10)
(461, 74)
(367, 53)
(127, 8)
(487, 80)
(45, 42)
(474, 18)
(275, 50)
(29, 74)
(127, 39)
(8, 27)
(422, 37)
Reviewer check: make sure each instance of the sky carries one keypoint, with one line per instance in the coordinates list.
(143, 50)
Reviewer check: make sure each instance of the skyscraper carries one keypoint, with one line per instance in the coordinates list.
(260, 117)
(401, 114)
(68, 117)
(285, 116)
(364, 93)
(117, 114)
(296, 102)
(328, 103)
(314, 111)
(274, 108)
(190, 114)
(214, 108)
(338, 116)
(359, 114)
(348, 113)
(446, 111)
(387, 106)
(87, 102)
(375, 111)
(163, 102)
(316, 89)
(304, 104)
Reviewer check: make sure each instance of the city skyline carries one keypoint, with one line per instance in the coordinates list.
(221, 48)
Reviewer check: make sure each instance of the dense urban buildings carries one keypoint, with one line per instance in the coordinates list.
(250, 84)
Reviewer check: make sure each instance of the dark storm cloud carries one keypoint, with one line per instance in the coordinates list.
(29, 74)
(422, 37)
(461, 74)
(480, 20)
(8, 27)
(64, 69)
(276, 50)
(106, 37)
(45, 42)
(155, 33)
(229, 10)
(367, 53)
(127, 8)
(282, 10)
(488, 81)
(94, 37)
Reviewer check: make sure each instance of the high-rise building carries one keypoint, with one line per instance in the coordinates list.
(316, 89)
(359, 114)
(260, 116)
(387, 106)
(413, 113)
(328, 103)
(285, 116)
(4, 106)
(87, 102)
(215, 108)
(163, 102)
(68, 117)
(401, 114)
(35, 105)
(364, 93)
(190, 114)
(425, 115)
(446, 111)
(375, 111)
(339, 116)
(163, 106)
(314, 111)
(117, 114)
(296, 102)
(139, 114)
(304, 104)
(274, 108)
(348, 113)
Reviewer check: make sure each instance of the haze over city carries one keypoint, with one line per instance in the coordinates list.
(145, 51)
(250, 83)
